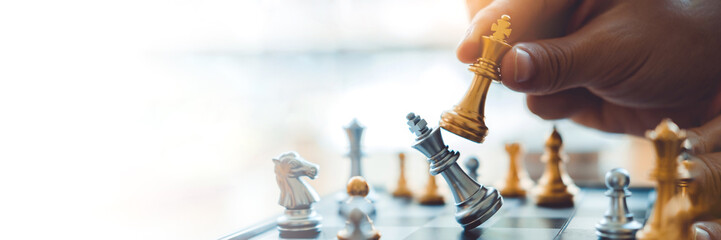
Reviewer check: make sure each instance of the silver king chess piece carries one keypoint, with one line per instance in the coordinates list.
(475, 203)
(300, 219)
(617, 222)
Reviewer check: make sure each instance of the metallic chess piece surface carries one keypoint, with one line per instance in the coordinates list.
(554, 188)
(517, 182)
(355, 133)
(467, 118)
(667, 139)
(300, 219)
(474, 203)
(617, 222)
(472, 164)
(402, 189)
(358, 227)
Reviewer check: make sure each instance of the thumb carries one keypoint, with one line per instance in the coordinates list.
(708, 230)
(583, 59)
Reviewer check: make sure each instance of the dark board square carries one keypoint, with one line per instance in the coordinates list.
(530, 222)
(483, 234)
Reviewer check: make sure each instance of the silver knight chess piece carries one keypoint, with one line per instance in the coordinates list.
(475, 203)
(617, 222)
(300, 219)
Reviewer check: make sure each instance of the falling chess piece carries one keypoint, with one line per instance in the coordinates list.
(467, 118)
(358, 227)
(472, 164)
(552, 189)
(300, 219)
(667, 139)
(431, 196)
(617, 222)
(355, 131)
(402, 189)
(517, 182)
(357, 190)
(474, 203)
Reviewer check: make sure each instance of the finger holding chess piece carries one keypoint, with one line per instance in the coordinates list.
(357, 190)
(402, 189)
(431, 196)
(517, 182)
(553, 190)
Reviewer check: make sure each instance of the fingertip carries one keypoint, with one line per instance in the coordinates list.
(468, 51)
(517, 70)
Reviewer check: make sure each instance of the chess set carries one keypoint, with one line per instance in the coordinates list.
(517, 208)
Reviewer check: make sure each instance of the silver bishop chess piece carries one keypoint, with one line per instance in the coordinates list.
(300, 219)
(617, 222)
(475, 203)
(472, 165)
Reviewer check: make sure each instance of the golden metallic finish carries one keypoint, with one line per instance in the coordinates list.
(467, 118)
(357, 186)
(667, 139)
(554, 189)
(517, 181)
(431, 196)
(402, 190)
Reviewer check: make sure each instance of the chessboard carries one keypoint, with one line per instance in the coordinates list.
(398, 218)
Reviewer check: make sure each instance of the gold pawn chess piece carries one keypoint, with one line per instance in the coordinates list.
(553, 190)
(683, 179)
(467, 118)
(359, 225)
(431, 196)
(402, 189)
(517, 182)
(667, 139)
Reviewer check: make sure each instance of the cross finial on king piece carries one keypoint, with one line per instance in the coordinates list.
(501, 29)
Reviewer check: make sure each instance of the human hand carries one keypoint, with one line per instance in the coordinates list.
(617, 66)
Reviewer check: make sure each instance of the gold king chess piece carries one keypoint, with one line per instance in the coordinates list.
(667, 139)
(467, 119)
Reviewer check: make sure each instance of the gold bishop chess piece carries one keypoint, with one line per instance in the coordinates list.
(431, 196)
(667, 139)
(467, 118)
(553, 189)
(517, 182)
(402, 189)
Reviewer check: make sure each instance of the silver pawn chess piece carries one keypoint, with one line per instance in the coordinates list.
(472, 165)
(474, 202)
(300, 219)
(355, 131)
(617, 222)
(358, 227)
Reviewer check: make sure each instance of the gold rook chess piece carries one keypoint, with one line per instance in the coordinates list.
(431, 196)
(517, 181)
(467, 119)
(402, 189)
(553, 189)
(667, 139)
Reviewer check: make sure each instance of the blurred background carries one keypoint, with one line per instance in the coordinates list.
(159, 119)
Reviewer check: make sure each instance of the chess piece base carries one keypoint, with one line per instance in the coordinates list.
(345, 235)
(563, 199)
(478, 208)
(429, 199)
(513, 192)
(299, 223)
(402, 192)
(468, 125)
(614, 231)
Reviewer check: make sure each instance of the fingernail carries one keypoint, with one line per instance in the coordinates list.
(701, 234)
(523, 66)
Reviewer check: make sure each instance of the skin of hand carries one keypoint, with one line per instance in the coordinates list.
(617, 66)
